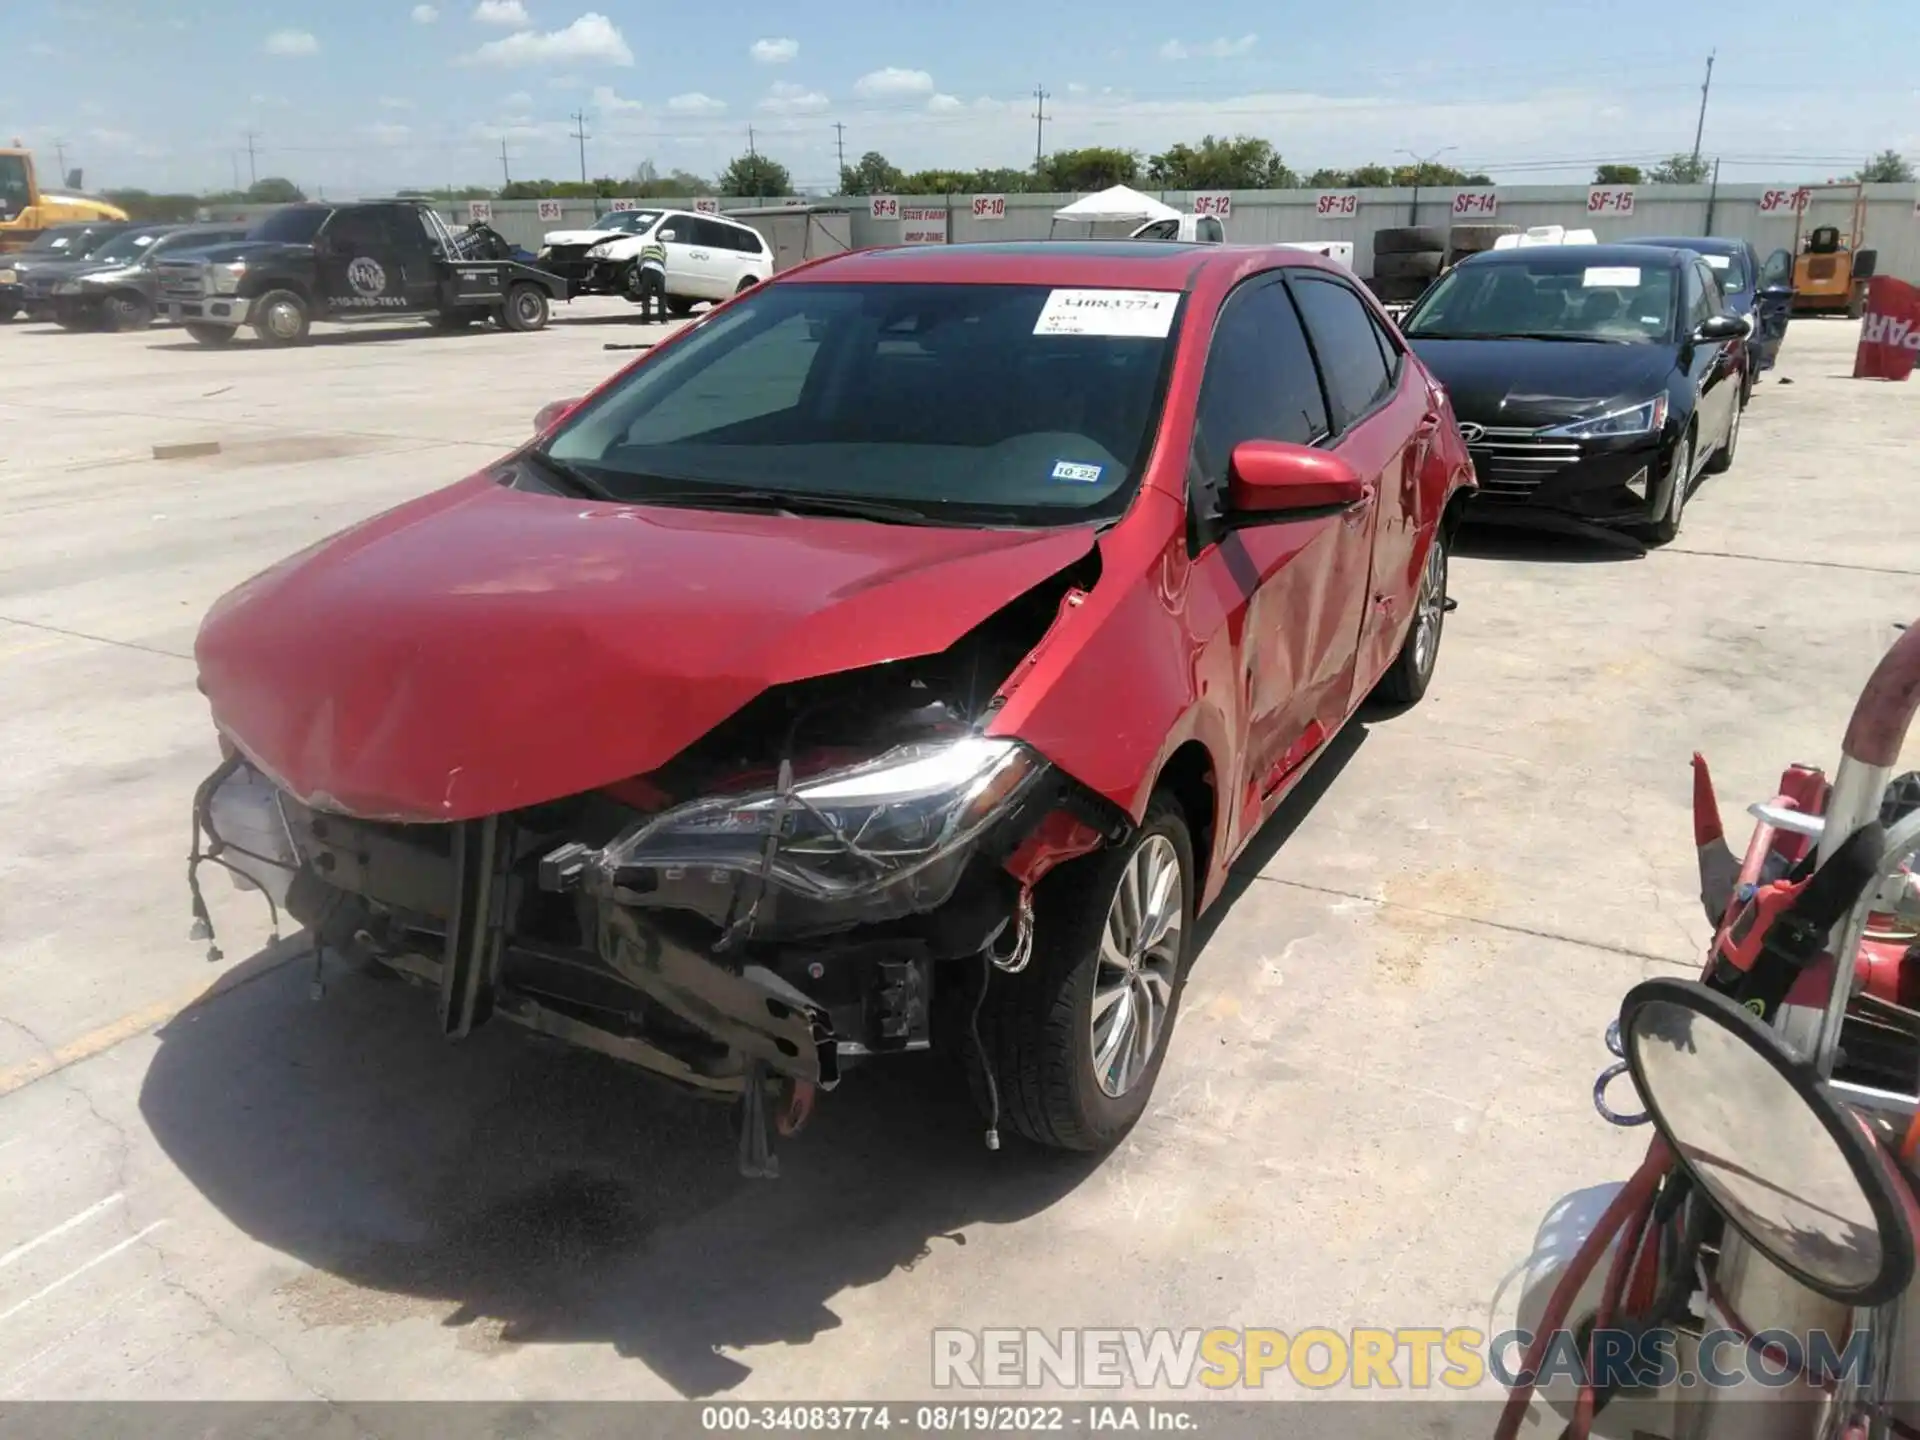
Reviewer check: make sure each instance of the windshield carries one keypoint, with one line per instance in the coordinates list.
(638, 221)
(15, 194)
(127, 246)
(58, 242)
(296, 226)
(1016, 403)
(1550, 297)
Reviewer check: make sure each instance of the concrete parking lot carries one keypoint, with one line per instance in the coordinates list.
(214, 1185)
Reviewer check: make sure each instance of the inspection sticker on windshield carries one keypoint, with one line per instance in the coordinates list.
(1598, 275)
(1146, 314)
(1078, 474)
(1720, 262)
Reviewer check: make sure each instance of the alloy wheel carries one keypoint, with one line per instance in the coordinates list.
(1430, 608)
(1682, 477)
(1138, 964)
(283, 319)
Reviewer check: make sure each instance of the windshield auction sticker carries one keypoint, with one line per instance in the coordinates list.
(1609, 277)
(1145, 314)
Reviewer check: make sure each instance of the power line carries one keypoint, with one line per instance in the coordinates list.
(1701, 125)
(1040, 118)
(580, 133)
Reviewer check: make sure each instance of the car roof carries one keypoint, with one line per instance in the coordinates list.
(1618, 253)
(1699, 244)
(1145, 264)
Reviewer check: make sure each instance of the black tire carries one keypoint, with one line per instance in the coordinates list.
(127, 310)
(70, 315)
(1410, 265)
(1037, 1025)
(457, 318)
(1472, 239)
(1666, 529)
(1412, 670)
(1398, 289)
(525, 309)
(1409, 240)
(281, 318)
(747, 282)
(1865, 263)
(1722, 460)
(7, 312)
(214, 335)
(679, 306)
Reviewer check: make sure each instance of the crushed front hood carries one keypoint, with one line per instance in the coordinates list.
(482, 649)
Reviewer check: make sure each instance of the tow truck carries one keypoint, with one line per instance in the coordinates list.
(372, 260)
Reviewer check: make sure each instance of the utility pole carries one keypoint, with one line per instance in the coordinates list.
(1040, 118)
(235, 156)
(1700, 127)
(60, 158)
(504, 176)
(1420, 163)
(1713, 194)
(253, 167)
(752, 153)
(840, 143)
(580, 134)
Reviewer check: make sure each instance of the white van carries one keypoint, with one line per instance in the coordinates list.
(709, 257)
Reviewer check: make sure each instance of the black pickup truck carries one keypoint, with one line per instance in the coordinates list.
(343, 263)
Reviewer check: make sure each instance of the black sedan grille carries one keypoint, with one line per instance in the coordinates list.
(1512, 463)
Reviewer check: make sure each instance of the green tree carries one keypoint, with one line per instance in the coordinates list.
(874, 175)
(1326, 179)
(1245, 162)
(757, 176)
(155, 209)
(1097, 167)
(1680, 170)
(274, 190)
(1431, 173)
(1371, 177)
(1889, 167)
(1618, 175)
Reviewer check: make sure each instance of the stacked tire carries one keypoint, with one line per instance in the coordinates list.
(1405, 261)
(1465, 240)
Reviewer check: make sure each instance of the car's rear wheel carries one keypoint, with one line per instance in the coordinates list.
(526, 308)
(215, 335)
(747, 282)
(1075, 1041)
(679, 306)
(1722, 460)
(1412, 670)
(280, 317)
(1668, 525)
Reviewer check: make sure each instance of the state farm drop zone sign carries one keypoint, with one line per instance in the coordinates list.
(1890, 332)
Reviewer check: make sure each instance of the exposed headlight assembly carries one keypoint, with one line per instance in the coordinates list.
(1647, 418)
(225, 279)
(886, 837)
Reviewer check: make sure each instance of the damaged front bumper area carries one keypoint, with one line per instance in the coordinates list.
(768, 934)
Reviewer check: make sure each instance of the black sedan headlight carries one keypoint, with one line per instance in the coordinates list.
(888, 836)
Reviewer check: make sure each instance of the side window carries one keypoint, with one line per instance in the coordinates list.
(1390, 350)
(747, 242)
(1260, 384)
(1210, 231)
(1160, 230)
(356, 230)
(1347, 345)
(1700, 295)
(712, 235)
(674, 232)
(1777, 273)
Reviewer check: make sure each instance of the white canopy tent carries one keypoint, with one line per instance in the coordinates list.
(1120, 205)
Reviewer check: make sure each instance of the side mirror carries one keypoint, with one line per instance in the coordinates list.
(1722, 327)
(1791, 1169)
(1274, 477)
(552, 413)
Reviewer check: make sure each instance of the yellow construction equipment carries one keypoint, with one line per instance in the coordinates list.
(1830, 272)
(26, 209)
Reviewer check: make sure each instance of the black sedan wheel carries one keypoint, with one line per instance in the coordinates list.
(1668, 525)
(1722, 460)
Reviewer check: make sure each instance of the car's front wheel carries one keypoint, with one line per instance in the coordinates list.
(1407, 678)
(281, 317)
(1722, 460)
(1667, 527)
(128, 311)
(1075, 1041)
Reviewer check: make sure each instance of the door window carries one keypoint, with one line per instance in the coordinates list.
(1260, 384)
(1777, 273)
(357, 230)
(1209, 230)
(712, 235)
(1347, 345)
(1703, 296)
(1390, 350)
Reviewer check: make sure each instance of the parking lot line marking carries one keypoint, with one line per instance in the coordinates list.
(1789, 560)
(61, 1229)
(139, 1022)
(97, 639)
(72, 1275)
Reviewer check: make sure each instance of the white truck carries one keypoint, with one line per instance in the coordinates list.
(1207, 230)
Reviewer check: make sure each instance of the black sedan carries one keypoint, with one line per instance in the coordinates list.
(1593, 383)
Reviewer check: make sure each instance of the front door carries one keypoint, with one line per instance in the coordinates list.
(1294, 588)
(1718, 375)
(358, 263)
(1772, 307)
(689, 266)
(417, 247)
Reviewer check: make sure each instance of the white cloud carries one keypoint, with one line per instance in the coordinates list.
(501, 12)
(385, 134)
(938, 103)
(518, 100)
(893, 82)
(789, 99)
(395, 102)
(425, 14)
(1074, 87)
(694, 103)
(1222, 49)
(608, 103)
(774, 52)
(592, 37)
(41, 49)
(291, 42)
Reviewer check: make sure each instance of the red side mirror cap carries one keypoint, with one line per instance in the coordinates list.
(551, 414)
(1272, 477)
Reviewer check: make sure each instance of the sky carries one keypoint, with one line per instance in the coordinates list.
(365, 96)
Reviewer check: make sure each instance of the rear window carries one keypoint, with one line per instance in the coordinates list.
(960, 402)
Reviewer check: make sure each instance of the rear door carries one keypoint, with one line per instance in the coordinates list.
(717, 251)
(1772, 307)
(1379, 430)
(1296, 583)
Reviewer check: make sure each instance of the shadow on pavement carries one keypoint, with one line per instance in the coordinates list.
(559, 1195)
(1480, 540)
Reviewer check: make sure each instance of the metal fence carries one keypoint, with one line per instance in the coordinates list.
(1255, 216)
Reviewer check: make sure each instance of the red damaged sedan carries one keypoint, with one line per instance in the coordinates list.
(894, 659)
